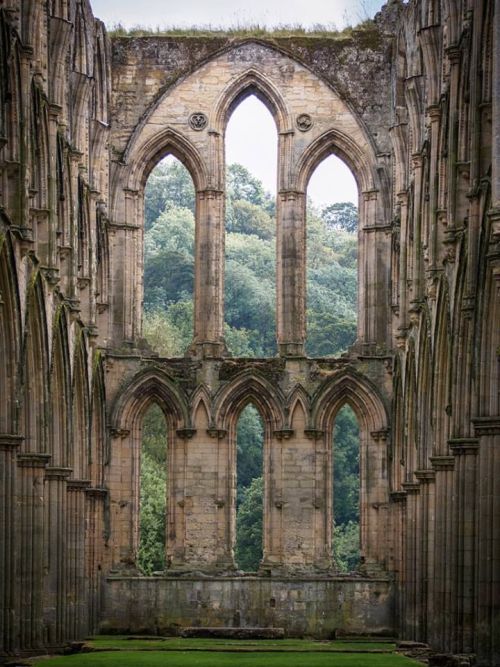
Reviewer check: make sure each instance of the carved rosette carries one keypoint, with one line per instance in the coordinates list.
(198, 121)
(304, 122)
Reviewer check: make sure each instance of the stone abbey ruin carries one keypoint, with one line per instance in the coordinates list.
(411, 103)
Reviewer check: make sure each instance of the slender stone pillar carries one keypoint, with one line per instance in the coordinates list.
(56, 557)
(291, 272)
(487, 628)
(76, 611)
(427, 528)
(8, 523)
(412, 570)
(95, 561)
(209, 275)
(398, 501)
(31, 499)
(465, 451)
(443, 552)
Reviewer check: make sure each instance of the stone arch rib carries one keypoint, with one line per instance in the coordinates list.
(143, 157)
(250, 82)
(356, 391)
(249, 388)
(359, 161)
(145, 388)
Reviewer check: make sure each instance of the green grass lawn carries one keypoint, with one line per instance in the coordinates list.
(223, 659)
(175, 652)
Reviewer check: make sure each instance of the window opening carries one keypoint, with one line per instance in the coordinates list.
(250, 264)
(332, 249)
(249, 489)
(346, 491)
(153, 492)
(169, 224)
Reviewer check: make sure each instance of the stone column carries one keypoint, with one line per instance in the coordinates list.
(95, 561)
(31, 498)
(487, 629)
(374, 499)
(465, 451)
(398, 500)
(373, 273)
(9, 527)
(427, 532)
(412, 570)
(56, 557)
(443, 553)
(77, 609)
(291, 272)
(208, 338)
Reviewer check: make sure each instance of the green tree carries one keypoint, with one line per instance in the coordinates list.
(169, 184)
(248, 552)
(346, 546)
(151, 556)
(341, 215)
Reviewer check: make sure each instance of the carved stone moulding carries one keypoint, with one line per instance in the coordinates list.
(198, 121)
(304, 122)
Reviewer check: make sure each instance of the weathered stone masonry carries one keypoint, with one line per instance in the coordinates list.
(411, 104)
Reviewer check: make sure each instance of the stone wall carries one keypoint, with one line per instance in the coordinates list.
(411, 103)
(322, 608)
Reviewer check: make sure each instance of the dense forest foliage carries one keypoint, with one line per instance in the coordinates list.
(249, 331)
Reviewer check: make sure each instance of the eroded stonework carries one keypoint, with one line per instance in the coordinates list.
(411, 104)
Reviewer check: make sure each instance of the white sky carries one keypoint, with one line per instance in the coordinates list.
(251, 136)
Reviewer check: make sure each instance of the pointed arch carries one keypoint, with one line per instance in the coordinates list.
(441, 371)
(396, 451)
(35, 366)
(98, 450)
(80, 408)
(141, 157)
(151, 385)
(360, 159)
(250, 82)
(201, 395)
(249, 387)
(10, 335)
(60, 393)
(298, 396)
(410, 412)
(424, 394)
(349, 387)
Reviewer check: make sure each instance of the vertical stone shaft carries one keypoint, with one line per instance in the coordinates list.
(487, 628)
(465, 450)
(8, 522)
(56, 562)
(437, 622)
(209, 274)
(412, 573)
(30, 549)
(291, 272)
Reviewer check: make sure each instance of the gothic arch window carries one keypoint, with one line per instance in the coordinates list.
(250, 223)
(170, 205)
(332, 251)
(249, 488)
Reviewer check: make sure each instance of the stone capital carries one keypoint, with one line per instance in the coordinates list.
(10, 440)
(442, 462)
(464, 445)
(33, 460)
(487, 425)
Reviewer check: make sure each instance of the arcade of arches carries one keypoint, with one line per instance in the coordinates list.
(411, 103)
